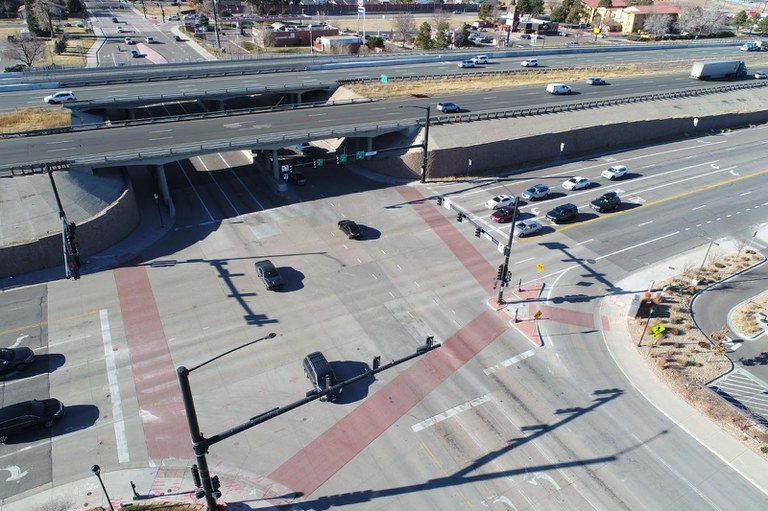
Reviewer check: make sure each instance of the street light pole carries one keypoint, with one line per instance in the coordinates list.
(507, 250)
(425, 143)
(97, 470)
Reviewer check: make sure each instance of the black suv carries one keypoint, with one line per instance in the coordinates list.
(351, 229)
(269, 274)
(321, 375)
(606, 202)
(563, 212)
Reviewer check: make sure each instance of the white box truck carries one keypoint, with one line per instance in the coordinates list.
(720, 69)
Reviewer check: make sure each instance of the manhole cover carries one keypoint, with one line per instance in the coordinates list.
(591, 261)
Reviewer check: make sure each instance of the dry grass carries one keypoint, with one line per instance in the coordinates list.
(684, 358)
(745, 318)
(34, 118)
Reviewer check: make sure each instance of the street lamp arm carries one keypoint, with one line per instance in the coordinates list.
(268, 336)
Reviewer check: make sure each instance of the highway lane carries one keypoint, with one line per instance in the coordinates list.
(115, 140)
(557, 426)
(658, 60)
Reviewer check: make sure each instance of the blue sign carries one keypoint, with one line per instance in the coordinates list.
(360, 10)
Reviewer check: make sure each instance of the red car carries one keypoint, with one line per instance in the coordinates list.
(503, 214)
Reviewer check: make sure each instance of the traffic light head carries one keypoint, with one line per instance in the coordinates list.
(196, 477)
(439, 201)
(478, 231)
(459, 217)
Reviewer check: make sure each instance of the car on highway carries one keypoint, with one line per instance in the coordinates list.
(129, 41)
(536, 192)
(595, 81)
(60, 97)
(563, 213)
(614, 172)
(577, 183)
(351, 229)
(530, 63)
(115, 20)
(504, 214)
(558, 88)
(149, 39)
(269, 275)
(120, 29)
(480, 59)
(525, 228)
(136, 54)
(606, 202)
(297, 177)
(26, 415)
(500, 201)
(448, 107)
(761, 75)
(466, 63)
(15, 358)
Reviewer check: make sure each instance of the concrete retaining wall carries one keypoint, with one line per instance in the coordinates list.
(96, 234)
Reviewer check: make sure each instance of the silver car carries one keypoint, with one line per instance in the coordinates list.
(536, 192)
(525, 228)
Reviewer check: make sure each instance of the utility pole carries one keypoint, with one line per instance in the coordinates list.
(504, 275)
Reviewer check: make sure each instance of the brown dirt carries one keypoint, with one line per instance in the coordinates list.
(745, 318)
(34, 119)
(684, 358)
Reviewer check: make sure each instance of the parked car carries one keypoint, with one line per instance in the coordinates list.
(297, 177)
(606, 202)
(466, 63)
(525, 228)
(320, 373)
(614, 172)
(563, 212)
(351, 229)
(60, 97)
(15, 358)
(761, 75)
(136, 54)
(504, 214)
(115, 20)
(120, 29)
(480, 59)
(27, 415)
(577, 183)
(595, 81)
(149, 39)
(447, 106)
(536, 192)
(173, 17)
(500, 201)
(525, 36)
(530, 63)
(269, 274)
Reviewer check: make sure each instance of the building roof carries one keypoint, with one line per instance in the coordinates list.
(615, 4)
(654, 9)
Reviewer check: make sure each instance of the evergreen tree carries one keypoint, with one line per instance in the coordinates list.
(423, 38)
(740, 19)
(442, 39)
(32, 23)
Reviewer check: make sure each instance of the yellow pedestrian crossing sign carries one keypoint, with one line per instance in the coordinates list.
(657, 330)
(540, 267)
(537, 315)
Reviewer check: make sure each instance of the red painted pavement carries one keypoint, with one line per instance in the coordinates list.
(311, 467)
(570, 317)
(157, 390)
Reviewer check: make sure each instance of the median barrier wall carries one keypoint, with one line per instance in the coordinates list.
(93, 236)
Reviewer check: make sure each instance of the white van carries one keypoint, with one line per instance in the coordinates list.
(558, 88)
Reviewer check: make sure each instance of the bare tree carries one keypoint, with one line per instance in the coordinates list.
(25, 51)
(440, 16)
(404, 26)
(698, 21)
(46, 11)
(658, 24)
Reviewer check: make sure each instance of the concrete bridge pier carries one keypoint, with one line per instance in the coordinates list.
(277, 175)
(162, 184)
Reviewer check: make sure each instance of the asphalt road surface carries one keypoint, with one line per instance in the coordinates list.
(486, 421)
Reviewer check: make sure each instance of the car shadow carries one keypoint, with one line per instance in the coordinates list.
(625, 206)
(346, 369)
(554, 195)
(293, 279)
(76, 418)
(583, 216)
(369, 233)
(43, 364)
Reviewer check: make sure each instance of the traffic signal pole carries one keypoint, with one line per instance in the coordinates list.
(504, 268)
(71, 255)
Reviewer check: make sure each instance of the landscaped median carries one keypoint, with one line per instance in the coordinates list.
(683, 357)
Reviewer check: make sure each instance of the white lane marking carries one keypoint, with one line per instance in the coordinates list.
(450, 413)
(184, 173)
(18, 341)
(510, 361)
(59, 142)
(160, 138)
(114, 389)
(210, 175)
(159, 131)
(242, 183)
(645, 223)
(15, 472)
(524, 260)
(699, 207)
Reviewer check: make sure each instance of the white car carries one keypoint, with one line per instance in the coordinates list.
(577, 183)
(526, 228)
(500, 201)
(467, 63)
(174, 17)
(480, 59)
(530, 63)
(60, 97)
(615, 172)
(760, 75)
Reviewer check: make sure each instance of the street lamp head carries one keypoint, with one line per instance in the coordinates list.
(271, 335)
(96, 469)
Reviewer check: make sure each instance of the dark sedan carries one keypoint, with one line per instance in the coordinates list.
(351, 229)
(269, 274)
(15, 358)
(27, 415)
(606, 202)
(563, 212)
